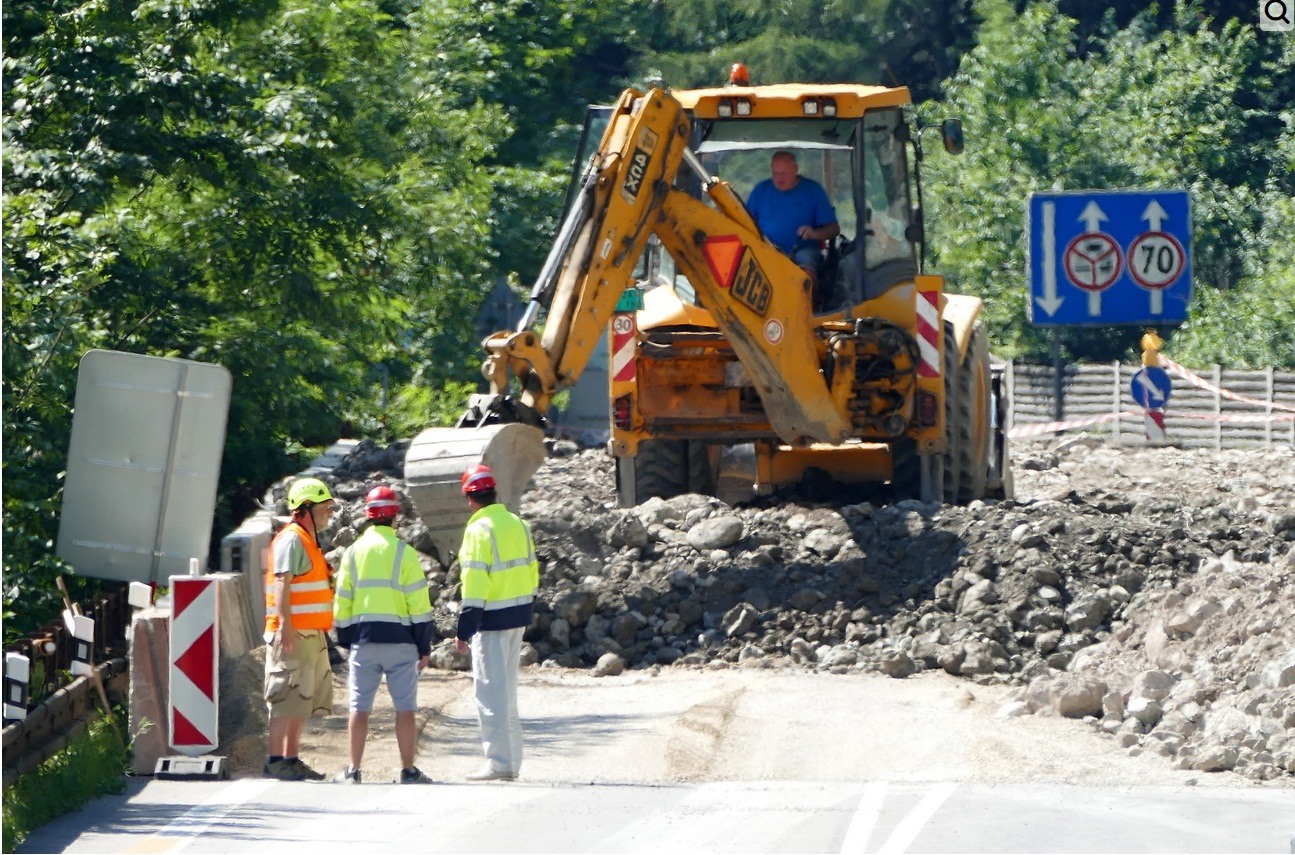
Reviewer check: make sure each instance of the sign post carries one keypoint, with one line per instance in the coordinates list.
(1151, 388)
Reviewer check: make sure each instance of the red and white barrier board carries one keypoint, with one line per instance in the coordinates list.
(195, 675)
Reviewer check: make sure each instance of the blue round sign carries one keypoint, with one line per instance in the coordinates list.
(1151, 387)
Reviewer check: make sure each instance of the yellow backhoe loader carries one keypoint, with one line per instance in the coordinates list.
(729, 365)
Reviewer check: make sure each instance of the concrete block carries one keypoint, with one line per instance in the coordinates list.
(243, 552)
(240, 631)
(149, 688)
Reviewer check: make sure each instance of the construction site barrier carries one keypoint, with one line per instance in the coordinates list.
(1213, 413)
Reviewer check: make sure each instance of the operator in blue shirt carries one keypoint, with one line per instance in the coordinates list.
(794, 213)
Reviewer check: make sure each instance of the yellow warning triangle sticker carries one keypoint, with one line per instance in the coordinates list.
(723, 254)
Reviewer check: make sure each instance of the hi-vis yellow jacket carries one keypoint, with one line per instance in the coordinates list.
(499, 572)
(382, 593)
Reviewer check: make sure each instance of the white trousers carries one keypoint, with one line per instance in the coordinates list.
(496, 660)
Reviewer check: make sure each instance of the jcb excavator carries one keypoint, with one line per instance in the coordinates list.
(727, 362)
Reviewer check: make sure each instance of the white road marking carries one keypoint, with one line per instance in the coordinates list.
(190, 825)
(910, 826)
(865, 818)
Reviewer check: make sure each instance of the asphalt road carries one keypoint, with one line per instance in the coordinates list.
(253, 816)
(714, 761)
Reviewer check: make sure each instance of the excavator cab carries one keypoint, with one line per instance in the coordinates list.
(863, 165)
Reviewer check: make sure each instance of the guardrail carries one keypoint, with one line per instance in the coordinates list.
(1222, 408)
(57, 704)
(53, 722)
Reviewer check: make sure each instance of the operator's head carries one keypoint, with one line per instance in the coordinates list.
(309, 498)
(478, 484)
(784, 170)
(381, 505)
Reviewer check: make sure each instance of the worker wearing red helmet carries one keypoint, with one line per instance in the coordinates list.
(500, 576)
(383, 613)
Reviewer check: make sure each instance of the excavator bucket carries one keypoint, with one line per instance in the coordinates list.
(435, 462)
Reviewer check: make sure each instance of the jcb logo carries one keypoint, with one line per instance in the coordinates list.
(634, 174)
(636, 170)
(751, 287)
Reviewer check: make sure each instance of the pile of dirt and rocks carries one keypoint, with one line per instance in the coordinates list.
(1149, 592)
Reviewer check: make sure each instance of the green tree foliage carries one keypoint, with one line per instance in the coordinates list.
(225, 182)
(1142, 108)
(890, 42)
(539, 63)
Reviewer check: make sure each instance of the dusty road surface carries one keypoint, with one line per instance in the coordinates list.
(675, 725)
(713, 760)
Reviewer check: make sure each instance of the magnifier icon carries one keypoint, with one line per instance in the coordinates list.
(1275, 12)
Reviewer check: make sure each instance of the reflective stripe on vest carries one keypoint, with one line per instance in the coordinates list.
(310, 595)
(499, 578)
(377, 599)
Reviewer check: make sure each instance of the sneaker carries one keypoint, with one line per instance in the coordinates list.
(306, 773)
(489, 773)
(281, 770)
(413, 776)
(347, 776)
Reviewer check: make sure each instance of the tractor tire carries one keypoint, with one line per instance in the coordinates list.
(664, 468)
(952, 457)
(972, 424)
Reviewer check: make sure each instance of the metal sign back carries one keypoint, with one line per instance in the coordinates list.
(1109, 257)
(143, 464)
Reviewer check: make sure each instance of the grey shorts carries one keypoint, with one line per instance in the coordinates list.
(368, 664)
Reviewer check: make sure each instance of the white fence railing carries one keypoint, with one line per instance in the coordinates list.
(1223, 408)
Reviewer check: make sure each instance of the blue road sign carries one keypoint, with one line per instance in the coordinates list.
(1151, 387)
(1109, 257)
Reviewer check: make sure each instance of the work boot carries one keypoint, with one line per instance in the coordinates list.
(413, 776)
(306, 773)
(347, 776)
(282, 770)
(490, 773)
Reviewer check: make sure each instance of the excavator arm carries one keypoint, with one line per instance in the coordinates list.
(629, 193)
(759, 299)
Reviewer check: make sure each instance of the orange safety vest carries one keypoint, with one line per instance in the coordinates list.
(310, 595)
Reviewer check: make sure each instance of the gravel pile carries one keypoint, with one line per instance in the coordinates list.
(1148, 592)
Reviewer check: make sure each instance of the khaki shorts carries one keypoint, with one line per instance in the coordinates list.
(300, 685)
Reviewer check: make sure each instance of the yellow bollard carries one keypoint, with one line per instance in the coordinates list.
(1151, 345)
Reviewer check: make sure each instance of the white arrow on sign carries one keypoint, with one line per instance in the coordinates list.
(1092, 217)
(1049, 302)
(1154, 215)
(1154, 396)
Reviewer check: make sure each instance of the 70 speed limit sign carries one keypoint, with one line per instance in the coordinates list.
(1156, 259)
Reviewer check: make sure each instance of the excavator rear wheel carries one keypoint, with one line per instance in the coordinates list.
(664, 468)
(953, 450)
(973, 420)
